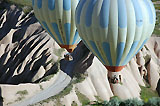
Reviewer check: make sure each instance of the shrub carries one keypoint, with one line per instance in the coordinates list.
(82, 98)
(22, 93)
(133, 102)
(114, 102)
(147, 93)
(155, 101)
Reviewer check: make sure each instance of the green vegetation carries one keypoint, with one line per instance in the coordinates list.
(98, 98)
(27, 9)
(154, 0)
(147, 93)
(148, 96)
(114, 102)
(82, 98)
(66, 91)
(130, 102)
(21, 2)
(133, 102)
(157, 27)
(22, 93)
(155, 101)
(78, 78)
(58, 52)
(40, 86)
(19, 98)
(56, 98)
(157, 6)
(47, 78)
(156, 32)
(26, 5)
(113, 97)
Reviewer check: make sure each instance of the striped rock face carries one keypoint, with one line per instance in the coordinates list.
(115, 30)
(58, 18)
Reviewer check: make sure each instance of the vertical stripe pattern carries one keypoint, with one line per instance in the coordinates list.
(115, 30)
(58, 18)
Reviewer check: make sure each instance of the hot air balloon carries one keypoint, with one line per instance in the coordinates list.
(57, 17)
(115, 30)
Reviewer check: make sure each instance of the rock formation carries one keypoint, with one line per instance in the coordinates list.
(26, 50)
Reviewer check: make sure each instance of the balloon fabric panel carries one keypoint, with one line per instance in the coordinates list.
(115, 30)
(57, 18)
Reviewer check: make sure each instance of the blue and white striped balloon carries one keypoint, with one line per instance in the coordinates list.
(58, 18)
(115, 30)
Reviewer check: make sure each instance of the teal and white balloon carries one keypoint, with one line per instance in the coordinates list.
(115, 30)
(58, 18)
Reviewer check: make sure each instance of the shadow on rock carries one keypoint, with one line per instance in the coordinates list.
(82, 60)
(158, 87)
(12, 11)
(15, 62)
(28, 54)
(1, 98)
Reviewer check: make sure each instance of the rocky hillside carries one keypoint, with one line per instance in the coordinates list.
(27, 52)
(33, 71)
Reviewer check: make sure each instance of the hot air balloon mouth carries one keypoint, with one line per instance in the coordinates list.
(69, 48)
(114, 68)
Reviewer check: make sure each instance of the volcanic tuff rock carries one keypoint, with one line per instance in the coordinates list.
(26, 50)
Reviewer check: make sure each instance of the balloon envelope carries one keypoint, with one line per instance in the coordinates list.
(58, 18)
(115, 30)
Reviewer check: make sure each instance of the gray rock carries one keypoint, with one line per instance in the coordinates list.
(25, 48)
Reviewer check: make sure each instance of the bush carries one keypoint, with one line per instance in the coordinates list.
(133, 102)
(22, 93)
(155, 101)
(82, 98)
(114, 102)
(147, 93)
(25, 5)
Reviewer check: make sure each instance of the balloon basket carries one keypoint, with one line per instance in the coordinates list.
(114, 74)
(68, 57)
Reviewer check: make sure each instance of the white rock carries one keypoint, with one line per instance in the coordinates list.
(153, 75)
